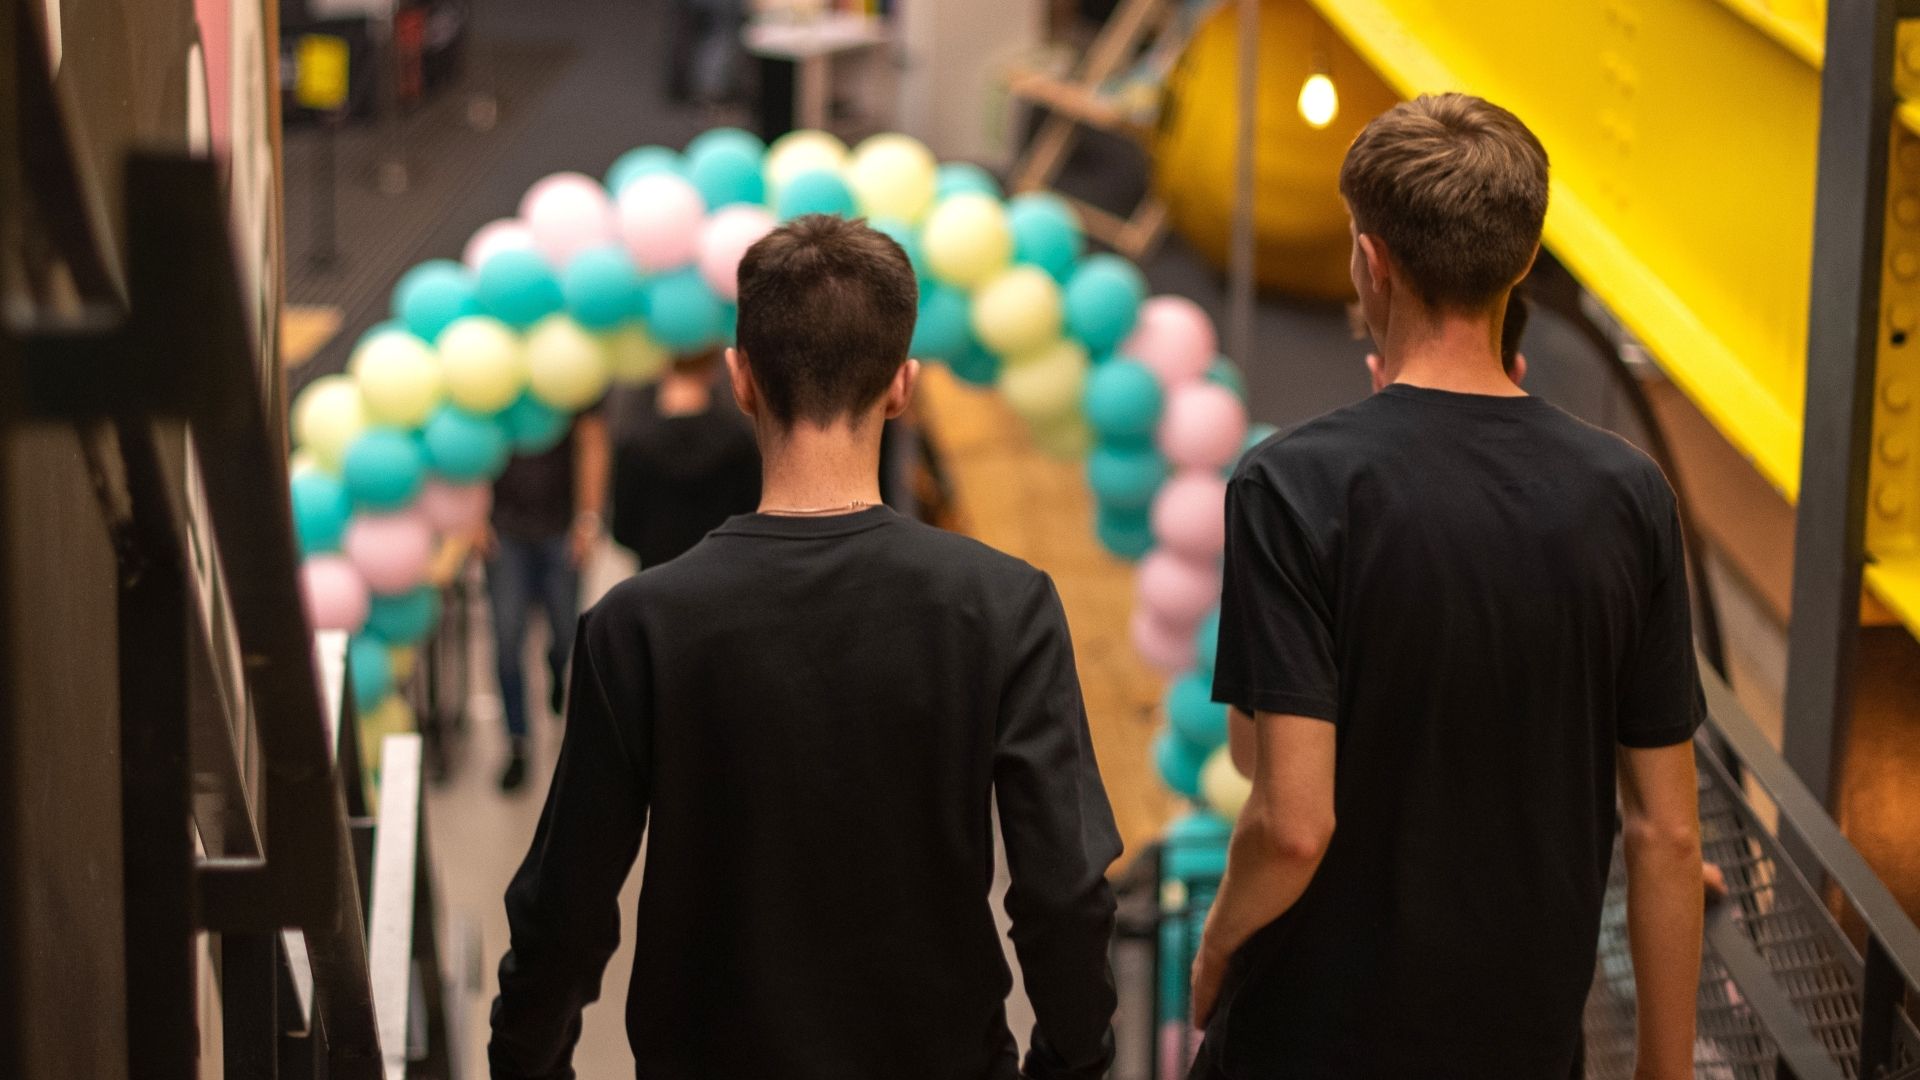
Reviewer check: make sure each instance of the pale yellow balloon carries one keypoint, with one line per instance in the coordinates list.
(966, 240)
(893, 176)
(400, 661)
(485, 363)
(566, 365)
(1066, 438)
(301, 461)
(1222, 786)
(633, 356)
(393, 716)
(327, 416)
(799, 152)
(1045, 386)
(400, 378)
(1017, 311)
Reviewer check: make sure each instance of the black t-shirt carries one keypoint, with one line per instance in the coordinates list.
(676, 478)
(818, 713)
(534, 496)
(1486, 596)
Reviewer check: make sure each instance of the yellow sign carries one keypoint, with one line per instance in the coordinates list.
(320, 72)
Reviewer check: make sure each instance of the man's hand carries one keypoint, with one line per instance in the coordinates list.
(1209, 971)
(581, 540)
(1660, 838)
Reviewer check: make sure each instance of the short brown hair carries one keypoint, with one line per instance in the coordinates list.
(1456, 188)
(827, 307)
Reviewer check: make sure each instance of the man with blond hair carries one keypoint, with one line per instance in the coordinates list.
(1458, 618)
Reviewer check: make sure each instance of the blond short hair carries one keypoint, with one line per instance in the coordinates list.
(1455, 187)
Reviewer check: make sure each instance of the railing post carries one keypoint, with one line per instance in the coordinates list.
(1881, 994)
(1856, 116)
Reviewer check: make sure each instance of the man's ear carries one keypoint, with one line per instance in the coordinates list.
(1379, 268)
(900, 390)
(1377, 368)
(1519, 372)
(740, 374)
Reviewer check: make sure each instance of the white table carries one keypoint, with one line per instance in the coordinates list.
(811, 45)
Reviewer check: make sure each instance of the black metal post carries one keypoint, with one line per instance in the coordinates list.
(249, 1009)
(1856, 115)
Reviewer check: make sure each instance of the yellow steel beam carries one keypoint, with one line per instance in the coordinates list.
(1683, 137)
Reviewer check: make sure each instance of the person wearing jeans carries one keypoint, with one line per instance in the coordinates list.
(546, 518)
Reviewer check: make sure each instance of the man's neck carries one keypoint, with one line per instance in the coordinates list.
(814, 469)
(1458, 353)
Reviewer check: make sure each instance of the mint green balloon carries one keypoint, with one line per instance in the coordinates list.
(1103, 299)
(603, 289)
(725, 174)
(533, 425)
(944, 329)
(1193, 713)
(1123, 400)
(730, 137)
(1126, 476)
(1046, 233)
(404, 618)
(320, 511)
(1179, 763)
(519, 288)
(463, 446)
(371, 669)
(909, 240)
(383, 468)
(976, 365)
(957, 176)
(433, 294)
(1127, 534)
(815, 192)
(643, 161)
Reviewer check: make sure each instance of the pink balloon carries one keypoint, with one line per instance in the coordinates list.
(505, 234)
(453, 509)
(567, 214)
(1190, 514)
(725, 240)
(391, 551)
(1176, 590)
(1174, 338)
(1204, 426)
(660, 218)
(1169, 649)
(336, 595)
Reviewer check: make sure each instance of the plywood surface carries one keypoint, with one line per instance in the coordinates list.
(1017, 499)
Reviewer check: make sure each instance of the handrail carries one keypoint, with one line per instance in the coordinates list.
(396, 842)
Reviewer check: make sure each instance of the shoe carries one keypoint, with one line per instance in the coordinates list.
(514, 775)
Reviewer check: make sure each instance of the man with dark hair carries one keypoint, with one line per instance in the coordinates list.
(1457, 617)
(819, 706)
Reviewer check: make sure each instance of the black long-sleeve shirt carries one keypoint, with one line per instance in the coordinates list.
(817, 713)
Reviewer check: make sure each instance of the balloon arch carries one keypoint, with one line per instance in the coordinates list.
(595, 283)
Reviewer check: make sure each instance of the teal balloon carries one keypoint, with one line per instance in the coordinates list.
(1257, 434)
(1123, 401)
(956, 177)
(1126, 476)
(909, 240)
(463, 446)
(683, 313)
(372, 671)
(1126, 534)
(603, 289)
(1206, 641)
(729, 325)
(642, 161)
(1102, 300)
(383, 468)
(815, 192)
(944, 328)
(433, 294)
(1225, 372)
(320, 511)
(532, 425)
(404, 618)
(519, 288)
(1193, 713)
(1179, 763)
(1195, 846)
(1046, 233)
(726, 173)
(730, 137)
(976, 365)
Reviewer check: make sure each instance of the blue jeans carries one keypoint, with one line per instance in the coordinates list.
(520, 573)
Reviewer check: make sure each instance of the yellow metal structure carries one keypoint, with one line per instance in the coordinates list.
(1683, 135)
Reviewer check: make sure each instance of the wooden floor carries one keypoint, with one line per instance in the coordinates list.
(1021, 501)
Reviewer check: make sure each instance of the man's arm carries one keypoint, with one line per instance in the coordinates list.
(1277, 843)
(1060, 840)
(563, 905)
(1660, 831)
(592, 464)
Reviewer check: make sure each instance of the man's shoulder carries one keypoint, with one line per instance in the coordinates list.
(952, 553)
(1330, 442)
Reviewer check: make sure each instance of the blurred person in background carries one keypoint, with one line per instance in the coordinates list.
(547, 516)
(684, 460)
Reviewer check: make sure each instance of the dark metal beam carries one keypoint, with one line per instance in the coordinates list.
(1856, 116)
